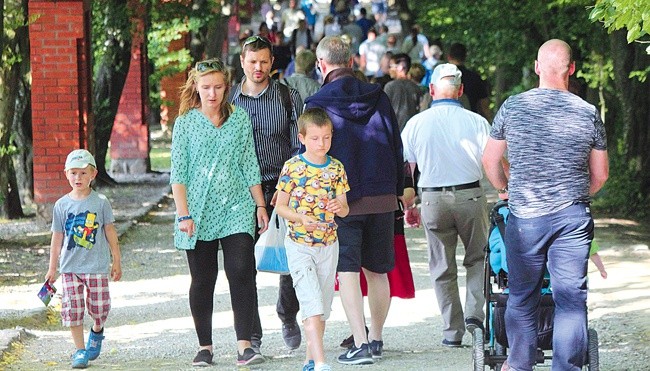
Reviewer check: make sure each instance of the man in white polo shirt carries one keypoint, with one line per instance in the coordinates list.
(446, 142)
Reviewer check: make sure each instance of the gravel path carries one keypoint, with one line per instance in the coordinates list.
(150, 327)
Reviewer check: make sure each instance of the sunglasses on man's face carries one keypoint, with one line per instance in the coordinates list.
(208, 65)
(257, 38)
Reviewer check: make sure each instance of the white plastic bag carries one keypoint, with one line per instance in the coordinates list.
(270, 253)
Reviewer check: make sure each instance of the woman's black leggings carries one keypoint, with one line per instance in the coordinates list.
(239, 265)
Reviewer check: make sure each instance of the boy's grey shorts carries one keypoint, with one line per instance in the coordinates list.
(313, 270)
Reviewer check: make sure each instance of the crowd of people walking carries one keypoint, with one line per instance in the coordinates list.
(357, 134)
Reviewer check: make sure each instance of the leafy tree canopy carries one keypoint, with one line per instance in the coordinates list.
(634, 15)
(507, 34)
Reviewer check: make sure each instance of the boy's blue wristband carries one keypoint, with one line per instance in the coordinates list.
(186, 217)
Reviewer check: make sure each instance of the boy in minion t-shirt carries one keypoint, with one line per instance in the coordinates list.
(312, 190)
(83, 240)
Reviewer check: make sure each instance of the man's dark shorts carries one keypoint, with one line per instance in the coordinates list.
(366, 241)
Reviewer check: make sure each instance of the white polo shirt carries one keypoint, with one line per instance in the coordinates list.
(447, 143)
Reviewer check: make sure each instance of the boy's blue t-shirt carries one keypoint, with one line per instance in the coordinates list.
(85, 247)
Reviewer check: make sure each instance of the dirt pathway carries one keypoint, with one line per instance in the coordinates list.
(150, 326)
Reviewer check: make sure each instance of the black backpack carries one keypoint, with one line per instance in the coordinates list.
(285, 95)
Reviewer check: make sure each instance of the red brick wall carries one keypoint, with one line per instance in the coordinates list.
(169, 90)
(58, 120)
(130, 136)
(170, 87)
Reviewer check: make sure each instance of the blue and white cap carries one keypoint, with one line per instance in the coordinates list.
(79, 159)
(446, 73)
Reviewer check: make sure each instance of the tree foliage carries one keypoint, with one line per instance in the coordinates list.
(632, 15)
(503, 37)
(171, 21)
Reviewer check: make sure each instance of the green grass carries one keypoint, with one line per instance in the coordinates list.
(160, 155)
(49, 319)
(161, 159)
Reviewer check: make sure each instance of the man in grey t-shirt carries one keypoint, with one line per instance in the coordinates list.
(558, 158)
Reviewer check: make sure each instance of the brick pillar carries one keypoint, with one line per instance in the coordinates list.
(59, 55)
(169, 90)
(130, 136)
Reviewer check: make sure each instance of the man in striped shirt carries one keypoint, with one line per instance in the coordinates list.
(275, 133)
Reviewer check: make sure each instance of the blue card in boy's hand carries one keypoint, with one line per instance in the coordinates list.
(46, 293)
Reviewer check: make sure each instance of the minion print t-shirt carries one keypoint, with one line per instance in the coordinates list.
(310, 187)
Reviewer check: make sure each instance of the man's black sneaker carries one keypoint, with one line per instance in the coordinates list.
(472, 324)
(291, 335)
(357, 356)
(348, 342)
(203, 358)
(249, 358)
(376, 349)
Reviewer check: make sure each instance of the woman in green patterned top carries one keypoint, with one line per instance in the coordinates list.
(215, 181)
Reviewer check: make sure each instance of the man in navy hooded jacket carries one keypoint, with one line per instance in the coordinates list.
(367, 141)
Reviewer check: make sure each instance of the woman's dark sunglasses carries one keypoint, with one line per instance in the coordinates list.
(212, 64)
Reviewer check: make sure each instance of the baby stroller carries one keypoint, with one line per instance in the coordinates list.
(490, 347)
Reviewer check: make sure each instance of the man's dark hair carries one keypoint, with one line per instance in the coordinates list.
(256, 43)
(458, 52)
(403, 60)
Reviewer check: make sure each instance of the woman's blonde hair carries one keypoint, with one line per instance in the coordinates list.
(189, 95)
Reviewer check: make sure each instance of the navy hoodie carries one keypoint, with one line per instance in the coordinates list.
(366, 134)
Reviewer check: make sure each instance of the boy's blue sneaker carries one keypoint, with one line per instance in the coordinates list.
(94, 345)
(309, 366)
(80, 359)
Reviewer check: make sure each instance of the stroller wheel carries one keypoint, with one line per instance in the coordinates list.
(592, 350)
(478, 352)
(499, 349)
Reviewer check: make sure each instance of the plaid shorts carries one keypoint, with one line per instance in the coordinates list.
(97, 300)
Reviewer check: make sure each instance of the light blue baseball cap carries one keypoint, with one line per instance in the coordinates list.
(446, 73)
(79, 159)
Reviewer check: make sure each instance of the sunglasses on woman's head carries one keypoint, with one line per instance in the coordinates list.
(257, 38)
(212, 64)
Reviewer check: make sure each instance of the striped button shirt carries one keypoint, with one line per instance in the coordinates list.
(275, 134)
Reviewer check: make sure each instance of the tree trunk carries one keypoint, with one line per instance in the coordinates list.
(216, 36)
(10, 77)
(198, 38)
(7, 174)
(634, 101)
(110, 78)
(22, 123)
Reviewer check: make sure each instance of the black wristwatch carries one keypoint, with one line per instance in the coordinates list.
(502, 190)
